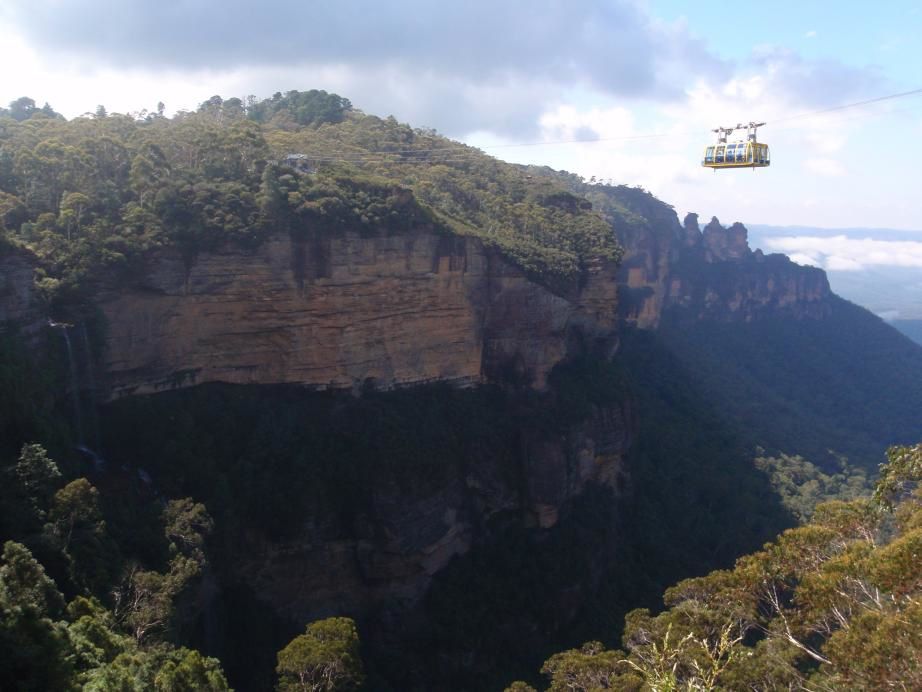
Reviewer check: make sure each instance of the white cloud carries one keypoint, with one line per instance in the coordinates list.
(810, 34)
(567, 122)
(805, 259)
(843, 264)
(826, 167)
(840, 253)
(826, 139)
(458, 67)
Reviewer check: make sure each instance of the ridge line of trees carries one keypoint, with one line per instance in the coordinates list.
(93, 196)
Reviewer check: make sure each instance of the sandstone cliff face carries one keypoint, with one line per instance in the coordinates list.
(17, 289)
(387, 558)
(688, 274)
(350, 311)
(346, 311)
(649, 256)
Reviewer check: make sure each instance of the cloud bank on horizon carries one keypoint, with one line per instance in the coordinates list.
(841, 253)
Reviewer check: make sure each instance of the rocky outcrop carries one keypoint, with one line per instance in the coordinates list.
(651, 237)
(17, 291)
(686, 274)
(345, 311)
(648, 259)
(724, 244)
(720, 278)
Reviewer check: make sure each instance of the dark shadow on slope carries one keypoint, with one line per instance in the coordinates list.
(849, 383)
(698, 501)
(278, 460)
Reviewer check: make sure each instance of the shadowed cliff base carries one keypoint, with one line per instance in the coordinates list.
(429, 514)
(848, 384)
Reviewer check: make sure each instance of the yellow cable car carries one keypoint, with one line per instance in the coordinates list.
(748, 154)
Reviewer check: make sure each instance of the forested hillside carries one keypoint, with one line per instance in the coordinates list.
(88, 202)
(424, 537)
(847, 385)
(91, 196)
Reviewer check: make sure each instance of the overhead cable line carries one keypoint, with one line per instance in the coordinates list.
(831, 109)
(462, 152)
(866, 102)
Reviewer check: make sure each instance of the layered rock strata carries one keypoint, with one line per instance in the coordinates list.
(17, 291)
(690, 274)
(347, 311)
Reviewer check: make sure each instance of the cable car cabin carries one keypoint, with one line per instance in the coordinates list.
(746, 154)
(737, 155)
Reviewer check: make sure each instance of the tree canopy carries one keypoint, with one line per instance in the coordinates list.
(110, 631)
(323, 659)
(832, 604)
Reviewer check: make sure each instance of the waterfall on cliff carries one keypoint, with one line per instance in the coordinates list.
(91, 382)
(74, 385)
(75, 393)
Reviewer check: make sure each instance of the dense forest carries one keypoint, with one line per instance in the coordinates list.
(764, 375)
(125, 524)
(830, 605)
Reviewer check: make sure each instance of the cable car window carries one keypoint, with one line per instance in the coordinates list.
(741, 152)
(709, 155)
(720, 155)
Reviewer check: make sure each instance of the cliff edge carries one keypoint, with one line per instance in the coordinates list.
(687, 274)
(345, 311)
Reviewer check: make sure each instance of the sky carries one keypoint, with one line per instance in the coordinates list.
(622, 90)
